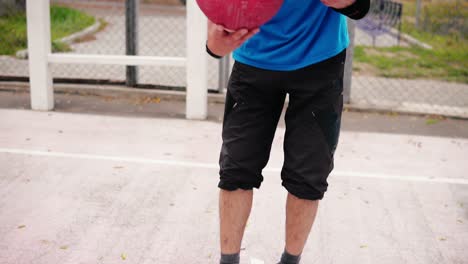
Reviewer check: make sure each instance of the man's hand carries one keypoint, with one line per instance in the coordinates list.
(338, 3)
(221, 42)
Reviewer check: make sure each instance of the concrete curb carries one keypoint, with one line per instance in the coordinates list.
(410, 40)
(23, 54)
(110, 90)
(139, 93)
(411, 111)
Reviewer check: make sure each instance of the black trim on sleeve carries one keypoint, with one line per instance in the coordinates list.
(355, 11)
(211, 53)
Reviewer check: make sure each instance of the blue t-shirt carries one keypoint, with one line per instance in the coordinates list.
(302, 33)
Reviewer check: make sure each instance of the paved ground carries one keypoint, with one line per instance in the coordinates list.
(384, 40)
(416, 96)
(102, 179)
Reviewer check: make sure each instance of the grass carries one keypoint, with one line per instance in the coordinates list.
(445, 17)
(447, 61)
(413, 63)
(64, 21)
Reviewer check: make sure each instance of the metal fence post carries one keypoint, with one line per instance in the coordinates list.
(21, 4)
(39, 47)
(197, 77)
(418, 14)
(131, 36)
(224, 65)
(348, 73)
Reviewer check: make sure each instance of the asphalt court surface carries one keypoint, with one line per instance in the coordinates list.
(84, 188)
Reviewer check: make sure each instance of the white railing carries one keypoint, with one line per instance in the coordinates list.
(41, 57)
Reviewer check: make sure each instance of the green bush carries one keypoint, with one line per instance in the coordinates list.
(12, 33)
(64, 21)
(447, 18)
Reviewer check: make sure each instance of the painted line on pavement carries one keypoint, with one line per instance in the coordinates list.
(256, 261)
(190, 164)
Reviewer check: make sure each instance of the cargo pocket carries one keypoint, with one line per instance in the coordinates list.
(329, 118)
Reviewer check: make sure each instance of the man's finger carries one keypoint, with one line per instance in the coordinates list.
(238, 35)
(219, 28)
(251, 34)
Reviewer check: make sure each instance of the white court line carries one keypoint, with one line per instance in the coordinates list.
(256, 261)
(190, 164)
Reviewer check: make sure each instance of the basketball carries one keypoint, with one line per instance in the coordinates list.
(238, 14)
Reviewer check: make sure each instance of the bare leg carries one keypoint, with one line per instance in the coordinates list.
(234, 211)
(300, 216)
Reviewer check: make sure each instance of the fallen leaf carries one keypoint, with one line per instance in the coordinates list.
(148, 100)
(21, 226)
(431, 121)
(363, 246)
(108, 98)
(123, 256)
(442, 239)
(156, 100)
(64, 247)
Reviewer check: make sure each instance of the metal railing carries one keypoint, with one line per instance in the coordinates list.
(41, 58)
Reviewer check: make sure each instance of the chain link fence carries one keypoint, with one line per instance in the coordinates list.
(160, 30)
(401, 67)
(396, 66)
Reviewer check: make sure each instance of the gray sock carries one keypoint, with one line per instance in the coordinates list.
(287, 258)
(230, 259)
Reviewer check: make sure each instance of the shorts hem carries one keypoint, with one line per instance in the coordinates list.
(230, 186)
(303, 194)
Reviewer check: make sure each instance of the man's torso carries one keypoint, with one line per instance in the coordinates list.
(302, 33)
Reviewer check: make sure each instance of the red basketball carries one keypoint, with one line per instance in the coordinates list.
(238, 14)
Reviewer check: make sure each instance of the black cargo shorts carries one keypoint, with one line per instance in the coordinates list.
(254, 103)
